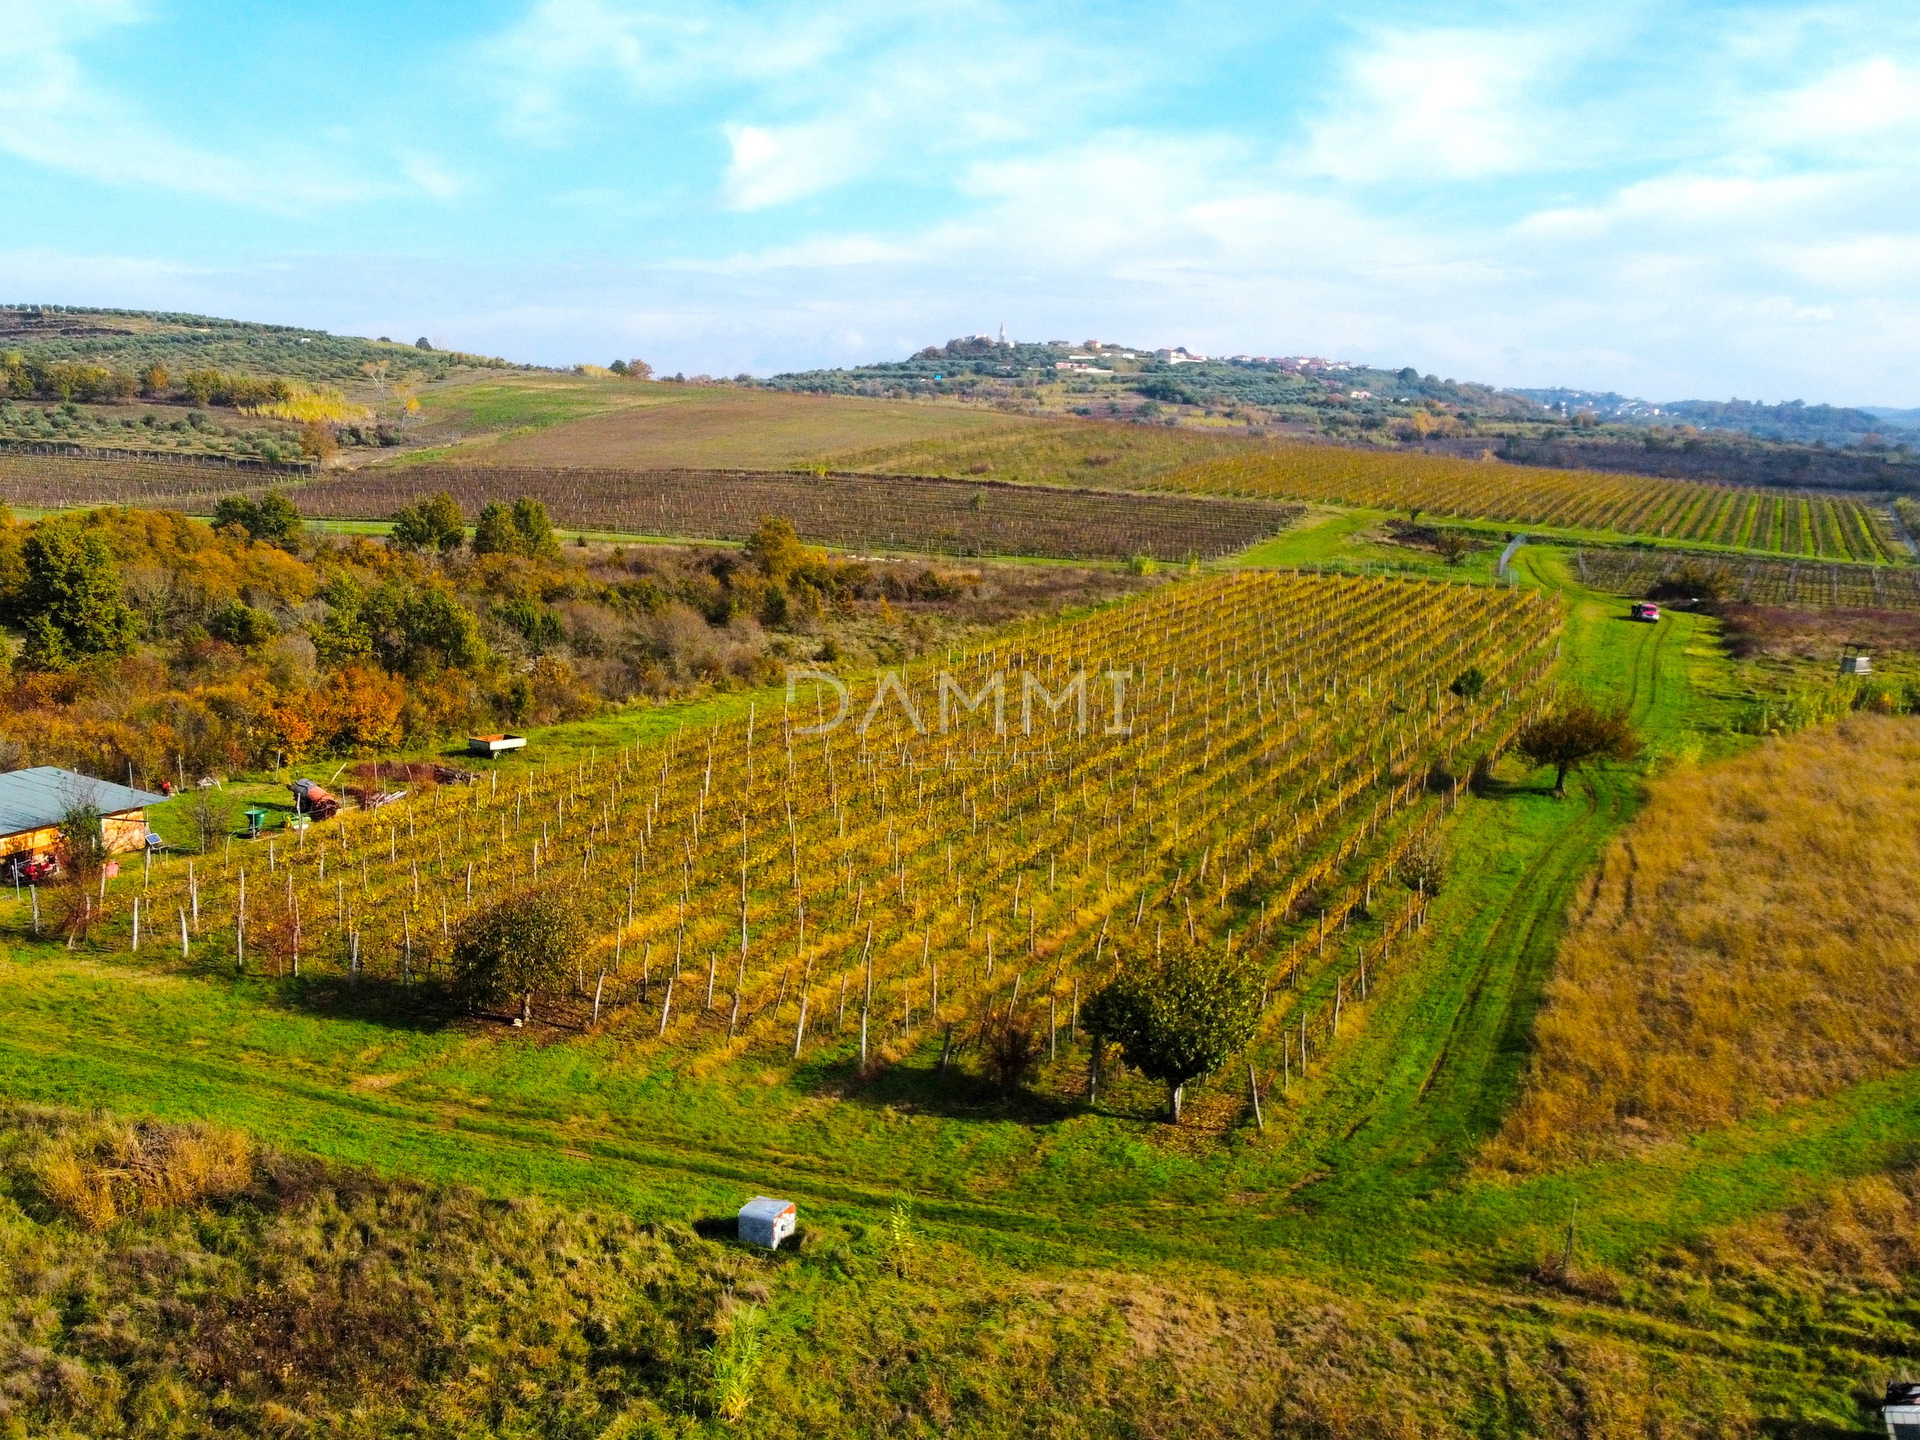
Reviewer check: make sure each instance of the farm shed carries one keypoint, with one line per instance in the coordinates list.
(765, 1221)
(33, 802)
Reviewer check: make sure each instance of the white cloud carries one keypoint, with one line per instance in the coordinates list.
(430, 177)
(773, 166)
(808, 96)
(1439, 103)
(1868, 99)
(53, 114)
(660, 50)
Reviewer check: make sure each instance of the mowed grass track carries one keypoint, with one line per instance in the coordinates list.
(1438, 1064)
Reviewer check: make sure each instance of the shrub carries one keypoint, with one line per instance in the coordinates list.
(434, 523)
(1012, 1053)
(241, 624)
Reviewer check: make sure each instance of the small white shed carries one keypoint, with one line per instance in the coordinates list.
(1856, 664)
(765, 1221)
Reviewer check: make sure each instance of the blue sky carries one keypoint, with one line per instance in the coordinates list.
(1672, 200)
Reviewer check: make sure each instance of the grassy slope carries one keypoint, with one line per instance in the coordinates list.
(1363, 1175)
(590, 420)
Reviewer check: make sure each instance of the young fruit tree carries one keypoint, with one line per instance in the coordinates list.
(520, 945)
(1178, 1018)
(1575, 733)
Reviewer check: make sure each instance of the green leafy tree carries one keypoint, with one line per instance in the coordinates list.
(1179, 1018)
(521, 945)
(279, 521)
(1575, 733)
(341, 636)
(433, 523)
(535, 529)
(522, 529)
(236, 510)
(417, 631)
(71, 604)
(272, 519)
(239, 623)
(1469, 683)
(493, 533)
(775, 547)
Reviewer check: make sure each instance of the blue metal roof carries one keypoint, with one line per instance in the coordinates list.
(34, 799)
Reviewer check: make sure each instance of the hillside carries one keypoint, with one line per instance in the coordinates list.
(130, 341)
(264, 396)
(689, 427)
(1368, 406)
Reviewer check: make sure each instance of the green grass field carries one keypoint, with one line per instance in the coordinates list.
(1361, 1184)
(575, 419)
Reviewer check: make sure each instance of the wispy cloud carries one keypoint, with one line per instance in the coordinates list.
(1435, 104)
(773, 166)
(53, 113)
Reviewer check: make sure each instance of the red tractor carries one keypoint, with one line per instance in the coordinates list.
(310, 800)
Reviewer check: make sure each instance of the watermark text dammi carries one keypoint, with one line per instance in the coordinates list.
(952, 703)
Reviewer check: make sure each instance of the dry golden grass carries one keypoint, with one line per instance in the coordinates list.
(98, 1174)
(749, 429)
(1750, 942)
(1056, 452)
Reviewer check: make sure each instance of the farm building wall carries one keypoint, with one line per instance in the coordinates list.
(123, 832)
(30, 842)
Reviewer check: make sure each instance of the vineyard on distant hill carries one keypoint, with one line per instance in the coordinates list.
(852, 511)
(1824, 526)
(56, 482)
(757, 887)
(856, 511)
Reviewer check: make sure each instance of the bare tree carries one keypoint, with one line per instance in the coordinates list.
(211, 815)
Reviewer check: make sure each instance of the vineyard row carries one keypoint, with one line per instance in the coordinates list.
(1754, 581)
